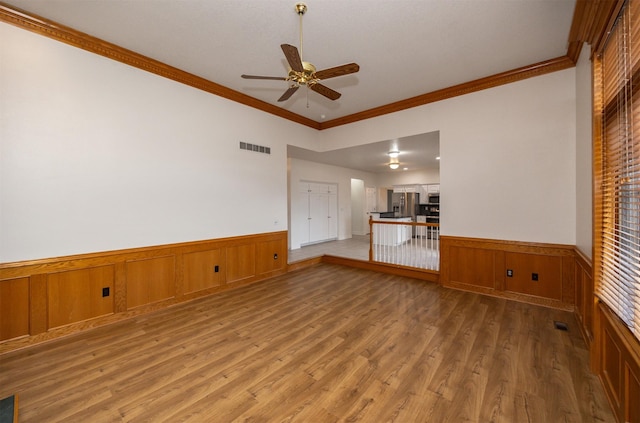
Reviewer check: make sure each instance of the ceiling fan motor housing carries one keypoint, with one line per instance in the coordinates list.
(306, 77)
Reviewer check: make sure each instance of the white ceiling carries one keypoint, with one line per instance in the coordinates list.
(416, 152)
(405, 48)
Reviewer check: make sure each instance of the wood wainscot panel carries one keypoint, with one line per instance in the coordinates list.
(587, 309)
(38, 321)
(271, 256)
(473, 266)
(632, 409)
(584, 296)
(78, 295)
(506, 269)
(534, 274)
(14, 308)
(612, 366)
(241, 262)
(202, 270)
(150, 280)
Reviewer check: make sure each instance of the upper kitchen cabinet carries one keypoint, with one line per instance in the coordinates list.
(406, 188)
(428, 190)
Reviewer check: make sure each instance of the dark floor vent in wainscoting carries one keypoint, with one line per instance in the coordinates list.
(255, 147)
(561, 326)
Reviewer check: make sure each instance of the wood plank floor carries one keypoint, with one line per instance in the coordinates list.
(326, 344)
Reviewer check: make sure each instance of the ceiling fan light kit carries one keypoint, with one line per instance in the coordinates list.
(304, 73)
(394, 163)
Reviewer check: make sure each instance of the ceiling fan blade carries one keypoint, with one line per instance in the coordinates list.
(293, 57)
(276, 78)
(288, 93)
(325, 91)
(338, 71)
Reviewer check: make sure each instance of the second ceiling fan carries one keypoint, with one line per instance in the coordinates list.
(304, 73)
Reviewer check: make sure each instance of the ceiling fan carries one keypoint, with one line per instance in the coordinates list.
(304, 73)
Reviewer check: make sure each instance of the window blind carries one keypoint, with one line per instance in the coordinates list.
(618, 70)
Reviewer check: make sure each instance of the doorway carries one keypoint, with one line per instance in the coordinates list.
(357, 207)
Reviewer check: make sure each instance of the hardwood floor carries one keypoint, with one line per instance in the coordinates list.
(325, 344)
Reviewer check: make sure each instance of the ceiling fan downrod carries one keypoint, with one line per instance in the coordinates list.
(301, 9)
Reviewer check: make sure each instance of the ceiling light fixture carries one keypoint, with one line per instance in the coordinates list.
(393, 154)
(394, 165)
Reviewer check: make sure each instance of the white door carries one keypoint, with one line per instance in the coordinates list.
(318, 216)
(333, 216)
(300, 219)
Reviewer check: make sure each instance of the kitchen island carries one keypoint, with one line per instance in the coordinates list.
(391, 235)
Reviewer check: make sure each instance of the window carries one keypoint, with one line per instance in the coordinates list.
(617, 168)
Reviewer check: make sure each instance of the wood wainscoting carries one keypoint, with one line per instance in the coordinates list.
(614, 351)
(49, 298)
(584, 296)
(615, 358)
(536, 273)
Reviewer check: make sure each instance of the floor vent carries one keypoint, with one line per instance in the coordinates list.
(255, 147)
(561, 326)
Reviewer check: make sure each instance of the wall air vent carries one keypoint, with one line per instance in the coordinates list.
(255, 147)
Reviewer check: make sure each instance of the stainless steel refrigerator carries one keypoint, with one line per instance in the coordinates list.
(404, 204)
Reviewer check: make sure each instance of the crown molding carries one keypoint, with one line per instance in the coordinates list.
(70, 36)
(537, 69)
(592, 19)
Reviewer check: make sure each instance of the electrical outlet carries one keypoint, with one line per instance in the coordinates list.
(105, 291)
(509, 273)
(534, 276)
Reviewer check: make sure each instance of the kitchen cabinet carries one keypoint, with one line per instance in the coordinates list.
(426, 190)
(319, 206)
(406, 188)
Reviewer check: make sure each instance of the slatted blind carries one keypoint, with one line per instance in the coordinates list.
(618, 70)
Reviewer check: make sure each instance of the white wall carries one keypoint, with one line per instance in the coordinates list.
(96, 155)
(584, 153)
(508, 164)
(302, 170)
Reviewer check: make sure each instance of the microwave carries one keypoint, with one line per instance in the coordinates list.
(434, 199)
